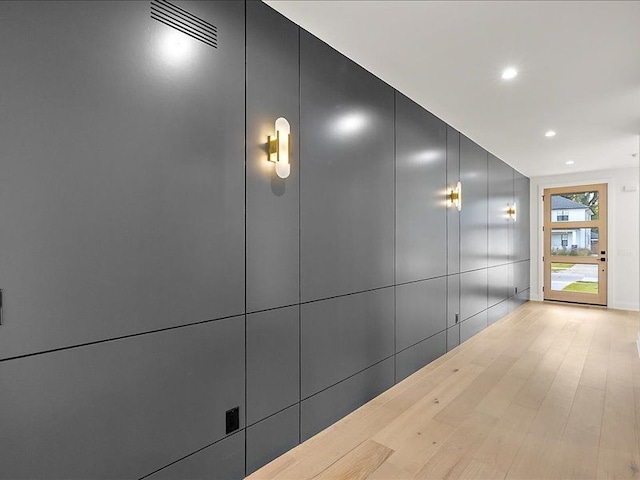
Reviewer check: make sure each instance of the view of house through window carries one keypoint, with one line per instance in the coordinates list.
(574, 207)
(575, 242)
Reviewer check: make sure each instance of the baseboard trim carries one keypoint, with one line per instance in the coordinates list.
(625, 306)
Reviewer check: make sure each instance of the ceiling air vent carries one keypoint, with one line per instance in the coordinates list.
(178, 18)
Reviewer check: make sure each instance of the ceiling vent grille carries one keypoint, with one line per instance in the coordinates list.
(178, 18)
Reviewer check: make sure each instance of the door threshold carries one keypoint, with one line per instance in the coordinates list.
(576, 304)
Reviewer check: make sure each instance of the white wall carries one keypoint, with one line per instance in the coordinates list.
(623, 280)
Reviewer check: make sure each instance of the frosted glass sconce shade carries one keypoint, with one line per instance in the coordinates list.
(280, 147)
(455, 196)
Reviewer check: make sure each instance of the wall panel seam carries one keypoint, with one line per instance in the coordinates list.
(197, 451)
(395, 232)
(245, 234)
(123, 337)
(346, 294)
(273, 414)
(423, 340)
(347, 378)
(299, 232)
(410, 282)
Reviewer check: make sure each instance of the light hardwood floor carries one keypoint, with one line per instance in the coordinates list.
(549, 392)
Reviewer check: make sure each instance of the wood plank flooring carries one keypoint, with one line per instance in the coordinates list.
(549, 392)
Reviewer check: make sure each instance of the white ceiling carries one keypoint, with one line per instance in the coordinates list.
(578, 63)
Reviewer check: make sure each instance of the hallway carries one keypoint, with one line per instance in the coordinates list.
(550, 391)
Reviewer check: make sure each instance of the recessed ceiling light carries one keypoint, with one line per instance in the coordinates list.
(569, 162)
(509, 73)
(550, 133)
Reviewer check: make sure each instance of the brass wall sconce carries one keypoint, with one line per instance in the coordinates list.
(512, 212)
(280, 147)
(455, 196)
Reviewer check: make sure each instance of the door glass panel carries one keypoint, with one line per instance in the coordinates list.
(575, 242)
(575, 207)
(578, 277)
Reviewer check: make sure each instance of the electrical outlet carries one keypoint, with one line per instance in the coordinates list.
(233, 419)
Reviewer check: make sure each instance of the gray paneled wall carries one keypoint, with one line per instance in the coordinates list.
(156, 272)
(473, 292)
(421, 177)
(521, 233)
(343, 336)
(347, 172)
(328, 406)
(500, 184)
(474, 214)
(222, 460)
(420, 311)
(120, 211)
(273, 246)
(453, 215)
(273, 361)
(121, 408)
